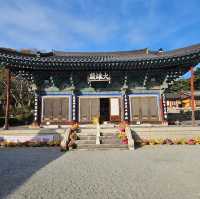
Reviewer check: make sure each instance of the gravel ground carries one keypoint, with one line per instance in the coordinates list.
(149, 172)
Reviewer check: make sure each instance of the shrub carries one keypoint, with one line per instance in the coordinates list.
(197, 140)
(183, 141)
(191, 142)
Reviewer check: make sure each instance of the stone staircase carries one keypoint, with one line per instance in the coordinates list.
(86, 138)
(108, 139)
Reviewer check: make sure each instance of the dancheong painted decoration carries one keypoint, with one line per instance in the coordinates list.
(113, 86)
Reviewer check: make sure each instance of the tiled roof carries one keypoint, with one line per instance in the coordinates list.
(137, 59)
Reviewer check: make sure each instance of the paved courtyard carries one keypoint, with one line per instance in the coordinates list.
(149, 172)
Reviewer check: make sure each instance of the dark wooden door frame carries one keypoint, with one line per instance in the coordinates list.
(54, 97)
(101, 96)
(157, 102)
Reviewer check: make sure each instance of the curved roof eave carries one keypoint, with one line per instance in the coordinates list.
(129, 59)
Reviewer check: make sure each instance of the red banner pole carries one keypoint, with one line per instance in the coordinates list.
(7, 113)
(192, 96)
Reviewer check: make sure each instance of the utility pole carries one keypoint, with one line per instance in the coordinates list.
(192, 95)
(7, 113)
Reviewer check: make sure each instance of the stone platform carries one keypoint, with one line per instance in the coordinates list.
(26, 134)
(138, 132)
(163, 132)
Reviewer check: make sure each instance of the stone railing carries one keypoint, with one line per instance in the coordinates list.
(130, 138)
(64, 139)
(98, 134)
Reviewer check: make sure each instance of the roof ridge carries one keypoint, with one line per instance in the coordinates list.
(186, 48)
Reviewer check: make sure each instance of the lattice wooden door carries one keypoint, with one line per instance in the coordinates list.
(56, 109)
(89, 108)
(153, 108)
(144, 109)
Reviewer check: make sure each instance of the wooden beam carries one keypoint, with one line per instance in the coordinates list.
(8, 85)
(162, 110)
(192, 96)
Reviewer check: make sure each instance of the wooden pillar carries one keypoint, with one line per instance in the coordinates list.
(163, 105)
(124, 90)
(162, 109)
(192, 95)
(37, 107)
(35, 122)
(74, 108)
(8, 85)
(126, 107)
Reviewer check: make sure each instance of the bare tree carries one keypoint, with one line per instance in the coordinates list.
(21, 92)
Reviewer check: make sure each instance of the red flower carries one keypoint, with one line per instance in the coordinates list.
(191, 142)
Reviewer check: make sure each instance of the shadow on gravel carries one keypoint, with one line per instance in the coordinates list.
(19, 164)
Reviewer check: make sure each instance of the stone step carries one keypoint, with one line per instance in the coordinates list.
(80, 142)
(107, 126)
(88, 126)
(93, 132)
(87, 129)
(108, 130)
(86, 137)
(86, 134)
(110, 141)
(102, 146)
(108, 137)
(108, 134)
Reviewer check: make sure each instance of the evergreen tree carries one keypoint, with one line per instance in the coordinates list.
(197, 79)
(180, 85)
(184, 84)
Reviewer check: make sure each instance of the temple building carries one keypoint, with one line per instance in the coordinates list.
(182, 101)
(113, 86)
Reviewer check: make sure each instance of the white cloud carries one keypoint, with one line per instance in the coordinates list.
(159, 26)
(78, 24)
(34, 24)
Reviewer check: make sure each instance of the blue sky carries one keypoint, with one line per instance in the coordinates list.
(99, 25)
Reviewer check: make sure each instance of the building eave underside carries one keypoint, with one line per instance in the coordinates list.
(127, 60)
